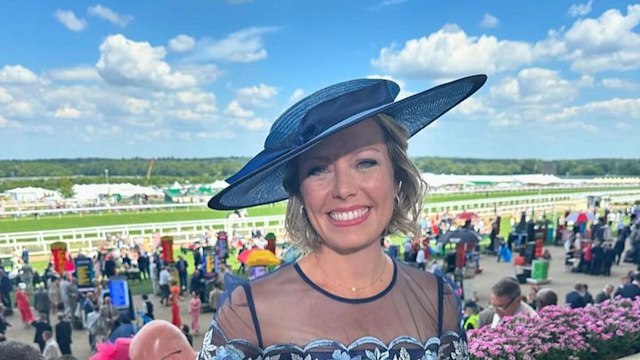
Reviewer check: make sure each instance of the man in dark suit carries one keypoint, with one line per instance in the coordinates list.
(631, 290)
(63, 334)
(41, 302)
(41, 326)
(575, 298)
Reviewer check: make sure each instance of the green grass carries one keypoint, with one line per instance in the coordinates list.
(124, 218)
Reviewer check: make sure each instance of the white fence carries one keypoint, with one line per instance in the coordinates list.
(38, 242)
(184, 232)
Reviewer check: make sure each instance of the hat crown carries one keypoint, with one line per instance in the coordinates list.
(327, 107)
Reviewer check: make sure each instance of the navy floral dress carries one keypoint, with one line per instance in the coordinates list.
(284, 315)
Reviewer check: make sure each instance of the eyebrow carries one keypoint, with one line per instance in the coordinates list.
(328, 158)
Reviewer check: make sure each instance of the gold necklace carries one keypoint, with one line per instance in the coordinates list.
(352, 288)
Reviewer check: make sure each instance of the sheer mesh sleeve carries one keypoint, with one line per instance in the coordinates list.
(453, 340)
(232, 334)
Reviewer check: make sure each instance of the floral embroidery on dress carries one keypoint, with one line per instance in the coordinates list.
(366, 348)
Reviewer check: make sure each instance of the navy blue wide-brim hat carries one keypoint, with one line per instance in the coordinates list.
(323, 114)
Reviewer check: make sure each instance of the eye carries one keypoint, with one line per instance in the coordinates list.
(366, 163)
(317, 170)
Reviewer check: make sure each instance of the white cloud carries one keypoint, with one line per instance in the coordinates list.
(126, 62)
(489, 21)
(605, 43)
(257, 96)
(69, 20)
(602, 111)
(17, 74)
(621, 125)
(236, 110)
(255, 124)
(295, 96)
(5, 96)
(182, 43)
(79, 73)
(580, 9)
(3, 122)
(204, 74)
(105, 13)
(67, 112)
(450, 52)
(244, 46)
(620, 84)
(21, 108)
(535, 86)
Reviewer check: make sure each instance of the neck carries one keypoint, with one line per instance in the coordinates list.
(360, 270)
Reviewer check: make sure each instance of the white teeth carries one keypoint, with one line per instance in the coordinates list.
(349, 215)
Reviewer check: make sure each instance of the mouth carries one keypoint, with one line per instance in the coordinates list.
(349, 217)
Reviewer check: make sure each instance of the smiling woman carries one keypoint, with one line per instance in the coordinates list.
(339, 157)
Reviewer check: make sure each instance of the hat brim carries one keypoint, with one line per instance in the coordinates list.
(259, 182)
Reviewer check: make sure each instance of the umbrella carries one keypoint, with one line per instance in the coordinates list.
(242, 256)
(459, 236)
(580, 217)
(467, 215)
(261, 257)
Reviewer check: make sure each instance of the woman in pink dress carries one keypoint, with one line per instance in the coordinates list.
(22, 302)
(194, 310)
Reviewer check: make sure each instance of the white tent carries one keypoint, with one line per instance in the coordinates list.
(219, 185)
(92, 192)
(33, 194)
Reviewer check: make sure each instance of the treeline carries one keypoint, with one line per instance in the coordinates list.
(63, 173)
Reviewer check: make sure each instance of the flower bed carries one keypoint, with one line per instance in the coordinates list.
(605, 331)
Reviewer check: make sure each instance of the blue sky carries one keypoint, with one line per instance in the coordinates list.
(207, 78)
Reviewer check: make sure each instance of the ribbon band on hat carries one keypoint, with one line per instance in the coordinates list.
(331, 112)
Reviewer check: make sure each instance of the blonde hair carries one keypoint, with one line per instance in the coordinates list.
(408, 204)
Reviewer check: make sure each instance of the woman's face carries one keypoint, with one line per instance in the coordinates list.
(347, 187)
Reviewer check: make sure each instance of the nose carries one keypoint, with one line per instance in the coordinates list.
(344, 183)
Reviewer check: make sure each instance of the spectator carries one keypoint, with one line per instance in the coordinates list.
(197, 284)
(471, 315)
(195, 304)
(14, 350)
(63, 334)
(575, 298)
(51, 349)
(124, 329)
(545, 297)
(164, 282)
(182, 266)
(143, 264)
(41, 301)
(147, 307)
(41, 325)
(632, 289)
(5, 291)
(3, 321)
(605, 294)
(506, 300)
(22, 303)
(53, 290)
(108, 313)
(214, 295)
(187, 334)
(174, 302)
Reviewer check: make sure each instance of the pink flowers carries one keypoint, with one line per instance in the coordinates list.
(604, 331)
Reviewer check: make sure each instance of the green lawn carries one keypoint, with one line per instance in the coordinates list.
(124, 218)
